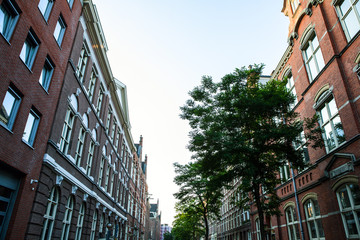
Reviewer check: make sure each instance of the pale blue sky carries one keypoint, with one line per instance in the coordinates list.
(161, 48)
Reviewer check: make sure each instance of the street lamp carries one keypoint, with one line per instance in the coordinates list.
(109, 226)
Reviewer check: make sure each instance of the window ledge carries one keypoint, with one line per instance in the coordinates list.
(28, 144)
(6, 127)
(26, 65)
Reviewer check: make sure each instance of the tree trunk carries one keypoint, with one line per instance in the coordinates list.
(260, 210)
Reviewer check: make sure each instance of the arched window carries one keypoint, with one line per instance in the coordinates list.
(90, 158)
(330, 122)
(67, 218)
(66, 131)
(92, 83)
(80, 147)
(290, 85)
(74, 102)
(313, 58)
(80, 222)
(348, 197)
(93, 226)
(85, 119)
(313, 220)
(292, 223)
(50, 214)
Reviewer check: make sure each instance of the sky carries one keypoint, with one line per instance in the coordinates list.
(160, 49)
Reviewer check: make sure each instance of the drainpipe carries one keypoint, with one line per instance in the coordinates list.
(297, 202)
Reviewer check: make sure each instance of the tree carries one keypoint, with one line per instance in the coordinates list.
(198, 194)
(243, 129)
(168, 236)
(187, 224)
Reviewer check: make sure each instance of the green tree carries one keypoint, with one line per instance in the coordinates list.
(187, 224)
(245, 129)
(198, 194)
(168, 236)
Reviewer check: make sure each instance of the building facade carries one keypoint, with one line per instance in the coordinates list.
(35, 45)
(321, 65)
(69, 166)
(155, 222)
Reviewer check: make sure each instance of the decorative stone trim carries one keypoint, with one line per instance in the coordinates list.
(308, 196)
(289, 204)
(343, 180)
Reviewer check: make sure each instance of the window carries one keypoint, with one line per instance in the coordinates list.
(31, 126)
(108, 120)
(9, 108)
(330, 122)
(66, 132)
(292, 223)
(100, 99)
(9, 16)
(67, 218)
(59, 30)
(49, 217)
(285, 172)
(101, 170)
(348, 197)
(290, 85)
(113, 130)
(80, 222)
(46, 74)
(92, 83)
(107, 177)
(257, 226)
(80, 69)
(45, 7)
(112, 183)
(79, 147)
(101, 225)
(313, 220)
(70, 2)
(313, 57)
(349, 14)
(93, 226)
(29, 49)
(90, 158)
(300, 145)
(294, 5)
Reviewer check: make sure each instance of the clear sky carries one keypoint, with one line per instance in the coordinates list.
(161, 48)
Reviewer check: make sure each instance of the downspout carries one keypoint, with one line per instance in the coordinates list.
(297, 202)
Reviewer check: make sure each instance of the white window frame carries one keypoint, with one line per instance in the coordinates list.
(313, 218)
(92, 83)
(352, 13)
(100, 99)
(69, 208)
(80, 147)
(108, 121)
(67, 130)
(294, 5)
(311, 45)
(80, 222)
(351, 211)
(290, 85)
(82, 62)
(93, 226)
(292, 223)
(101, 170)
(50, 214)
(90, 157)
(285, 172)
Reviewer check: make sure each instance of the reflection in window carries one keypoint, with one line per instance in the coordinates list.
(313, 219)
(8, 18)
(45, 7)
(349, 14)
(9, 108)
(313, 57)
(29, 49)
(46, 74)
(31, 126)
(292, 223)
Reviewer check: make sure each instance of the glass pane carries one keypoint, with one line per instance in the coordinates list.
(29, 125)
(316, 207)
(43, 5)
(3, 15)
(319, 59)
(7, 107)
(355, 192)
(352, 23)
(1, 220)
(329, 135)
(315, 43)
(24, 54)
(3, 206)
(344, 7)
(339, 129)
(344, 198)
(324, 115)
(320, 228)
(308, 52)
(350, 222)
(312, 229)
(57, 31)
(5, 192)
(312, 68)
(332, 107)
(309, 209)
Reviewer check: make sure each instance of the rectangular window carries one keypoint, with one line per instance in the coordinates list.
(9, 16)
(90, 158)
(108, 120)
(313, 57)
(101, 171)
(46, 74)
(92, 83)
(285, 172)
(79, 147)
(45, 7)
(83, 59)
(9, 108)
(100, 99)
(291, 87)
(294, 5)
(59, 31)
(66, 132)
(29, 49)
(31, 127)
(349, 14)
(113, 130)
(70, 2)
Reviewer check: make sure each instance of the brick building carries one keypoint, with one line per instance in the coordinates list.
(321, 64)
(35, 44)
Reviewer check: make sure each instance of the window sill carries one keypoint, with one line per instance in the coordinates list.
(43, 88)
(6, 127)
(6, 40)
(28, 144)
(26, 65)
